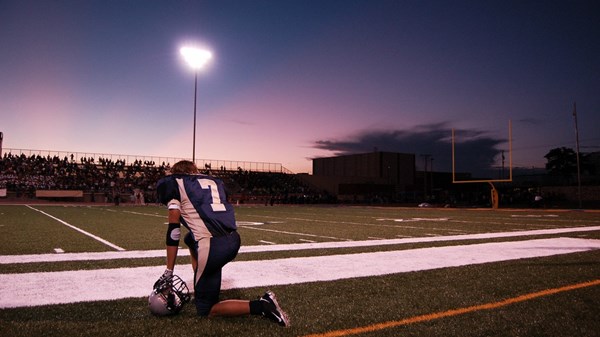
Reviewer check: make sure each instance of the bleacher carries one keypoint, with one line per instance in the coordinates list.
(104, 179)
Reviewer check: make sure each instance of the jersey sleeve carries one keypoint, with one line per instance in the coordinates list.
(168, 191)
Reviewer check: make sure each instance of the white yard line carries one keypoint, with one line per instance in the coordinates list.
(97, 238)
(12, 259)
(412, 219)
(296, 233)
(33, 289)
(147, 214)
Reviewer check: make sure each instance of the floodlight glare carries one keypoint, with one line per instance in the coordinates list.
(195, 57)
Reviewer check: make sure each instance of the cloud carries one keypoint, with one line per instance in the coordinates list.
(241, 122)
(475, 150)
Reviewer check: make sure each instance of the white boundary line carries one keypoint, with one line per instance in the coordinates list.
(79, 230)
(33, 289)
(93, 256)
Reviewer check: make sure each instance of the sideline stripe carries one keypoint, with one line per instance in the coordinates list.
(454, 312)
(40, 288)
(79, 230)
(8, 259)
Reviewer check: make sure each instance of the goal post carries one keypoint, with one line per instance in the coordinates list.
(494, 192)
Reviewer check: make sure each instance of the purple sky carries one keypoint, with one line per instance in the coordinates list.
(294, 80)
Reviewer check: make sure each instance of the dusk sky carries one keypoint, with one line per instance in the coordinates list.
(291, 80)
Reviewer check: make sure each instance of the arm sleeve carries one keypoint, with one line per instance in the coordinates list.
(174, 204)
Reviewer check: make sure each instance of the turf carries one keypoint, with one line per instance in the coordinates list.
(320, 306)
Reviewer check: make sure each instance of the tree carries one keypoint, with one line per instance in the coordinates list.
(561, 162)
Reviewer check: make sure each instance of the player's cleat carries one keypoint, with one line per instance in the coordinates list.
(272, 310)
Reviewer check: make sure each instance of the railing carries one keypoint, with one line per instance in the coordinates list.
(213, 164)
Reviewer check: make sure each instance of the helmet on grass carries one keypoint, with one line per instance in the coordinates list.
(168, 296)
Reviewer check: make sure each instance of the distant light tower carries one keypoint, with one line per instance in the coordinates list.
(196, 58)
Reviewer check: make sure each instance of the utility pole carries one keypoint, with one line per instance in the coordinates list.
(577, 146)
(425, 160)
(431, 175)
(502, 177)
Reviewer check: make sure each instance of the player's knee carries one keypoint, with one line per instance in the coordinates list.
(204, 308)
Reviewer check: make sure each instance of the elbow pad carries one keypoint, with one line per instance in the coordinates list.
(173, 234)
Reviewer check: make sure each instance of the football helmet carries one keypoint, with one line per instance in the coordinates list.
(168, 296)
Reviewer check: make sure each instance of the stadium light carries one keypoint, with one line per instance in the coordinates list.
(196, 58)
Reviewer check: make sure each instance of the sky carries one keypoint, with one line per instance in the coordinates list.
(294, 80)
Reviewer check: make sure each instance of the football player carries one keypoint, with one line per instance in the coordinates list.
(199, 203)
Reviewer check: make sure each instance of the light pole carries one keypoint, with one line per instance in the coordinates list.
(196, 58)
(577, 147)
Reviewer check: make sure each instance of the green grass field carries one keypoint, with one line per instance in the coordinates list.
(321, 307)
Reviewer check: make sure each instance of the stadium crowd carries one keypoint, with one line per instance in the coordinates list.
(25, 174)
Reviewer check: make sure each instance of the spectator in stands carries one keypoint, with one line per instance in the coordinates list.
(25, 174)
